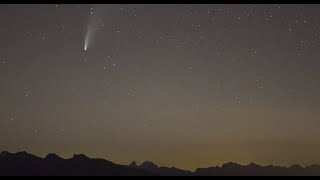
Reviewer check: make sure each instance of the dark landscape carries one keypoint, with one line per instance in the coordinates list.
(24, 164)
(159, 89)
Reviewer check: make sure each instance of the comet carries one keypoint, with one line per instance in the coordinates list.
(92, 28)
(89, 36)
(86, 41)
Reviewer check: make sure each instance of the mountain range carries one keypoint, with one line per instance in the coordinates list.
(24, 164)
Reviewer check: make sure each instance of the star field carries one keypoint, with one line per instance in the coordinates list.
(180, 85)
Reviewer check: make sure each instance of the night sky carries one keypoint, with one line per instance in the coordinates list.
(179, 85)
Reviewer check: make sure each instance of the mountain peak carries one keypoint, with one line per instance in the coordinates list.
(52, 157)
(231, 165)
(133, 164)
(253, 165)
(5, 153)
(18, 156)
(80, 157)
(148, 165)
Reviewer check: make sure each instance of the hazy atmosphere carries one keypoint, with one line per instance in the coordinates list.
(179, 85)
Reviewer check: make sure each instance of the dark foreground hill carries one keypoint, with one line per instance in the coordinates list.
(24, 164)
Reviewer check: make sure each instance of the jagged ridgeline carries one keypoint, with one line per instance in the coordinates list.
(24, 164)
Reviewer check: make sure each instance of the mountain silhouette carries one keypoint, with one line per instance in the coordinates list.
(24, 164)
(133, 165)
(161, 171)
(5, 155)
(53, 157)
